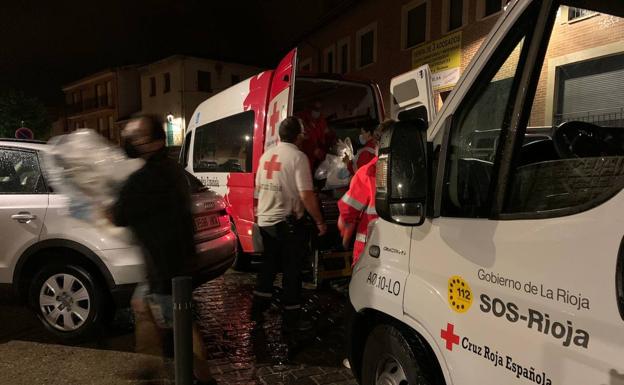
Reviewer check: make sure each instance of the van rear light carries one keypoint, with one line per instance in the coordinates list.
(381, 175)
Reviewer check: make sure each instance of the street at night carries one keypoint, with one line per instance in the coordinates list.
(240, 351)
(320, 192)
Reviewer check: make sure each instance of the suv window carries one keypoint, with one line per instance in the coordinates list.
(579, 99)
(225, 145)
(20, 173)
(475, 135)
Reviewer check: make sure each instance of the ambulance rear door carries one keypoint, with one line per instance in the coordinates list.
(280, 97)
(412, 95)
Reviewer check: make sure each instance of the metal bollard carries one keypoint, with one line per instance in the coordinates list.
(182, 330)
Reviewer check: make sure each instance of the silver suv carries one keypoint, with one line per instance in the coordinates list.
(73, 274)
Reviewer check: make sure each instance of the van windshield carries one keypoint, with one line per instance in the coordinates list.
(346, 106)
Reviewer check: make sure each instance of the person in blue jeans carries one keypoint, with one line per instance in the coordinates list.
(155, 203)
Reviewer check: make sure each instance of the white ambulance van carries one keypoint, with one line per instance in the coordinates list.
(231, 130)
(500, 259)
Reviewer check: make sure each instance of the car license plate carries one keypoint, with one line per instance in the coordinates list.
(206, 222)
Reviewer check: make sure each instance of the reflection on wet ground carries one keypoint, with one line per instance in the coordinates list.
(243, 351)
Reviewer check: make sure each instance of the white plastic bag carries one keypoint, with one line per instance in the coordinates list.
(333, 168)
(89, 171)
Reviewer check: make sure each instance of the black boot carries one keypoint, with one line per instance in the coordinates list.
(295, 320)
(259, 306)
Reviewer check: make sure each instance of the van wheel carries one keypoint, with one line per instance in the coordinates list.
(242, 261)
(390, 359)
(68, 300)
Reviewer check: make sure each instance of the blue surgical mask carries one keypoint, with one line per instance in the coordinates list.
(362, 139)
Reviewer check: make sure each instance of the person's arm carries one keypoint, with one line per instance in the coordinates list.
(303, 179)
(310, 202)
(364, 158)
(351, 207)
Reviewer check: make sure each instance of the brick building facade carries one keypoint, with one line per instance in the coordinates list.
(400, 30)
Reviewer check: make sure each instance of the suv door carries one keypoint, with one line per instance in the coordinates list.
(23, 205)
(524, 244)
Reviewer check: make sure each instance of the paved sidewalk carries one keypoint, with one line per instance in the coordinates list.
(31, 363)
(240, 351)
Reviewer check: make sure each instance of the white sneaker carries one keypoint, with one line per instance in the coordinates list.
(346, 363)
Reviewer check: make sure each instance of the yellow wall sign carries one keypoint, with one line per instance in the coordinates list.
(444, 59)
(460, 294)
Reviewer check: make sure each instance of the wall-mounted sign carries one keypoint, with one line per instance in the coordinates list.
(444, 59)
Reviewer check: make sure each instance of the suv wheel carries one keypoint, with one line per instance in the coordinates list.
(67, 300)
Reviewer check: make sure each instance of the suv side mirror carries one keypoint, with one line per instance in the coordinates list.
(402, 174)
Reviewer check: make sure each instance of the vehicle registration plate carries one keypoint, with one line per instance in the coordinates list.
(206, 222)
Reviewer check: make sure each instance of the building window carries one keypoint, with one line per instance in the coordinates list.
(487, 8)
(204, 81)
(235, 79)
(152, 86)
(167, 82)
(415, 23)
(306, 65)
(101, 99)
(344, 55)
(111, 124)
(329, 59)
(366, 46)
(109, 93)
(454, 12)
(578, 13)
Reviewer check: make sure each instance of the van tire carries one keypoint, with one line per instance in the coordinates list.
(92, 309)
(242, 261)
(392, 356)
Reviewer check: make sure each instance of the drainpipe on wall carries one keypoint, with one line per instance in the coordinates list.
(183, 106)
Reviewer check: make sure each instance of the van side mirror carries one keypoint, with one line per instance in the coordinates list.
(402, 174)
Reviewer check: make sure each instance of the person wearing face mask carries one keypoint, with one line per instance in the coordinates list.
(366, 153)
(318, 135)
(357, 207)
(155, 203)
(284, 192)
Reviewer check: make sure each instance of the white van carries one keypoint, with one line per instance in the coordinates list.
(499, 257)
(231, 130)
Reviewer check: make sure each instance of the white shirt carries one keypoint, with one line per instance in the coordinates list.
(282, 173)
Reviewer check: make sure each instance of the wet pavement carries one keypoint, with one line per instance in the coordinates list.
(240, 351)
(249, 352)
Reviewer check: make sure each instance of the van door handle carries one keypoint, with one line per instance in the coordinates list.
(619, 279)
(23, 217)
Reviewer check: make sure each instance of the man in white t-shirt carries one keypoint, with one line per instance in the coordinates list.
(284, 191)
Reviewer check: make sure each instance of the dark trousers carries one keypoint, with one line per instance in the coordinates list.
(283, 243)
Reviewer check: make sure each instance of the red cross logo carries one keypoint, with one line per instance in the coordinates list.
(449, 336)
(274, 118)
(272, 165)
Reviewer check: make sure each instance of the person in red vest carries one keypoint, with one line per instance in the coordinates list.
(365, 154)
(357, 206)
(318, 135)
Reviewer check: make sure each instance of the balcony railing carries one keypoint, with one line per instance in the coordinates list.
(89, 104)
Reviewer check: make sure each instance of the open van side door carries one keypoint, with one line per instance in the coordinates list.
(412, 95)
(280, 97)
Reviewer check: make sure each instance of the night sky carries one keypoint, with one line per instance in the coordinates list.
(45, 44)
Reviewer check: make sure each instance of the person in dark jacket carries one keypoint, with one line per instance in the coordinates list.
(155, 203)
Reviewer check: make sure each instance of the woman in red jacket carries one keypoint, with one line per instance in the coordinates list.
(365, 154)
(357, 206)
